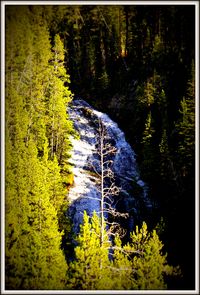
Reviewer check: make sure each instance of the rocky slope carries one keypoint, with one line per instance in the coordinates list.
(84, 194)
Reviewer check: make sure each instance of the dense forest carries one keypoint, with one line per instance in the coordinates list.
(137, 64)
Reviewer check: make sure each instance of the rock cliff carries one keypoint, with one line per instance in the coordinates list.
(84, 194)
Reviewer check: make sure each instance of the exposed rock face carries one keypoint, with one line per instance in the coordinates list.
(84, 194)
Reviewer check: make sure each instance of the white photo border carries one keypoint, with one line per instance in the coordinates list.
(196, 4)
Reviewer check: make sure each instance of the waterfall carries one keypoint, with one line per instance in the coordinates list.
(84, 194)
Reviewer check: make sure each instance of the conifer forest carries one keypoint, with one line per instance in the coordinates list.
(99, 147)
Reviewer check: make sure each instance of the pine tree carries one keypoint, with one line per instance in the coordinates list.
(149, 265)
(137, 265)
(59, 127)
(33, 255)
(34, 259)
(150, 153)
(57, 191)
(107, 188)
(186, 128)
(165, 161)
(121, 266)
(90, 269)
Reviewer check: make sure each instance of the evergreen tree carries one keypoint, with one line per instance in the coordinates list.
(121, 267)
(186, 128)
(149, 265)
(90, 269)
(58, 192)
(165, 161)
(150, 154)
(137, 265)
(33, 255)
(59, 126)
(108, 50)
(34, 187)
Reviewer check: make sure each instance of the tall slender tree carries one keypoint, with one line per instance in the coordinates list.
(186, 127)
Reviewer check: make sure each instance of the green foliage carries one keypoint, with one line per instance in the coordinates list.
(90, 269)
(149, 93)
(150, 157)
(149, 264)
(137, 53)
(148, 132)
(59, 95)
(121, 267)
(33, 255)
(57, 190)
(186, 128)
(166, 165)
(137, 265)
(161, 226)
(35, 194)
(106, 49)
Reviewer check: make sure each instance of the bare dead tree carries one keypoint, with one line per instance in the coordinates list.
(106, 185)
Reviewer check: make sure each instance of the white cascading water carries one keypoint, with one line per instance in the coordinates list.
(84, 194)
